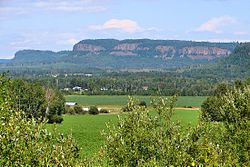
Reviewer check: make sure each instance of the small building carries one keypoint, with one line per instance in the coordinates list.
(85, 109)
(88, 75)
(77, 88)
(145, 87)
(70, 104)
(66, 89)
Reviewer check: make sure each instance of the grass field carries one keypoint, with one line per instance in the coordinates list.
(194, 101)
(86, 129)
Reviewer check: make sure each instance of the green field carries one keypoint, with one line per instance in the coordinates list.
(194, 101)
(86, 129)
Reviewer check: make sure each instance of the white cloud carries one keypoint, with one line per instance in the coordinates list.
(86, 6)
(44, 40)
(70, 6)
(240, 33)
(6, 11)
(72, 41)
(124, 25)
(222, 40)
(216, 24)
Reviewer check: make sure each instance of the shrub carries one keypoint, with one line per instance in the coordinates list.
(143, 103)
(210, 109)
(132, 105)
(104, 110)
(125, 109)
(54, 119)
(25, 142)
(141, 139)
(93, 110)
(71, 111)
(77, 109)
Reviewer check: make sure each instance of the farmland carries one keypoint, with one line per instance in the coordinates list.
(194, 101)
(86, 129)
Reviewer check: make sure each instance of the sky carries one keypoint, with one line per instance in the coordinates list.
(59, 24)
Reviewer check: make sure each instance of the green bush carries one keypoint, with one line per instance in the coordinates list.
(54, 119)
(78, 109)
(93, 110)
(211, 107)
(104, 110)
(132, 105)
(141, 139)
(143, 103)
(70, 110)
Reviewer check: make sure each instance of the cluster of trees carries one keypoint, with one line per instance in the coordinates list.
(93, 110)
(25, 141)
(36, 101)
(210, 107)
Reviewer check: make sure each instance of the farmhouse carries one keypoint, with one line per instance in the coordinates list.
(70, 103)
(85, 109)
(88, 75)
(77, 88)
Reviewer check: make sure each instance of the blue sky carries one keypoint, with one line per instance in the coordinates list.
(59, 24)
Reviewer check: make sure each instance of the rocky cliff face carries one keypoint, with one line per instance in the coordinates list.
(156, 48)
(126, 46)
(205, 51)
(88, 48)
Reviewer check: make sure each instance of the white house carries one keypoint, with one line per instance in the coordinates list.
(85, 109)
(88, 75)
(77, 88)
(70, 103)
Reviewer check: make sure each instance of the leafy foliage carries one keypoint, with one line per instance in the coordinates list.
(142, 139)
(37, 102)
(25, 142)
(103, 110)
(56, 102)
(78, 109)
(93, 110)
(28, 97)
(211, 108)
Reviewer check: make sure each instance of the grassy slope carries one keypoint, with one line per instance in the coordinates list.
(86, 129)
(194, 101)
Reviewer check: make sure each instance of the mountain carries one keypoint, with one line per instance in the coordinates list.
(111, 54)
(159, 49)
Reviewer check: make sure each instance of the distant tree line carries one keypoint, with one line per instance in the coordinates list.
(142, 83)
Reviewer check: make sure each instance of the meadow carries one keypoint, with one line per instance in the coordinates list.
(86, 129)
(194, 101)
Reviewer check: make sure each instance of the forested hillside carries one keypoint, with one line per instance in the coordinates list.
(235, 66)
